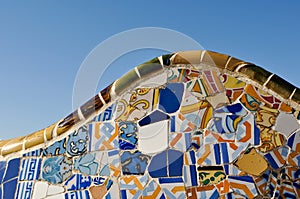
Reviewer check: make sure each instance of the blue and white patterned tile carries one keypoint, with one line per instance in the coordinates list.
(58, 148)
(84, 194)
(277, 157)
(106, 115)
(134, 162)
(128, 135)
(78, 182)
(56, 169)
(180, 141)
(77, 142)
(243, 185)
(103, 136)
(173, 187)
(30, 169)
(87, 164)
(34, 153)
(24, 190)
(190, 176)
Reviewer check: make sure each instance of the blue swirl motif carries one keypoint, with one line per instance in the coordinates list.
(77, 142)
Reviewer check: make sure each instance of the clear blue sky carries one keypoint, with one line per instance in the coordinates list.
(43, 43)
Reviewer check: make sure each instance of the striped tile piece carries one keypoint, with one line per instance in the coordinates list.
(84, 194)
(25, 190)
(30, 169)
(294, 141)
(133, 182)
(209, 192)
(243, 185)
(294, 159)
(152, 190)
(247, 131)
(262, 182)
(131, 194)
(172, 187)
(189, 157)
(277, 157)
(180, 141)
(190, 175)
(209, 155)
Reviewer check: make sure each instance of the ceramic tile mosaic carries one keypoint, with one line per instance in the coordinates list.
(187, 125)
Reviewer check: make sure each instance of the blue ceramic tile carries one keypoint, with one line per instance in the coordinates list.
(56, 169)
(126, 145)
(34, 153)
(175, 162)
(2, 170)
(77, 182)
(30, 169)
(77, 142)
(156, 116)
(170, 97)
(236, 109)
(87, 164)
(169, 180)
(158, 165)
(77, 195)
(106, 115)
(58, 148)
(12, 170)
(24, 190)
(134, 162)
(127, 135)
(9, 189)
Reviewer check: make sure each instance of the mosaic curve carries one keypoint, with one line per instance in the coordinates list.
(193, 124)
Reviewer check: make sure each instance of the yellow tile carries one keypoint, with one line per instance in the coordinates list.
(252, 162)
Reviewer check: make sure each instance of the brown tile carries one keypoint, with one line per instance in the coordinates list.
(280, 86)
(105, 93)
(215, 59)
(255, 73)
(13, 145)
(91, 106)
(34, 139)
(296, 96)
(67, 123)
(187, 57)
(234, 63)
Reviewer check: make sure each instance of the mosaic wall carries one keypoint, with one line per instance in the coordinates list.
(191, 131)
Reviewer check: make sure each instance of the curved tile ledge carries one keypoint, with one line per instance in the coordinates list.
(247, 71)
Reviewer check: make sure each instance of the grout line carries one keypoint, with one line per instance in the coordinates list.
(269, 78)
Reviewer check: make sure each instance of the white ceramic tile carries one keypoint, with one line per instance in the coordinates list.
(40, 190)
(54, 189)
(153, 138)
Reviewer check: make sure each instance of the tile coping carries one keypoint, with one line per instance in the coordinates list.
(245, 71)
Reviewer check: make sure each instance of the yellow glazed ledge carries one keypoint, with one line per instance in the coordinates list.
(248, 71)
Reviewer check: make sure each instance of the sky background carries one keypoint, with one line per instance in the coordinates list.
(43, 44)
